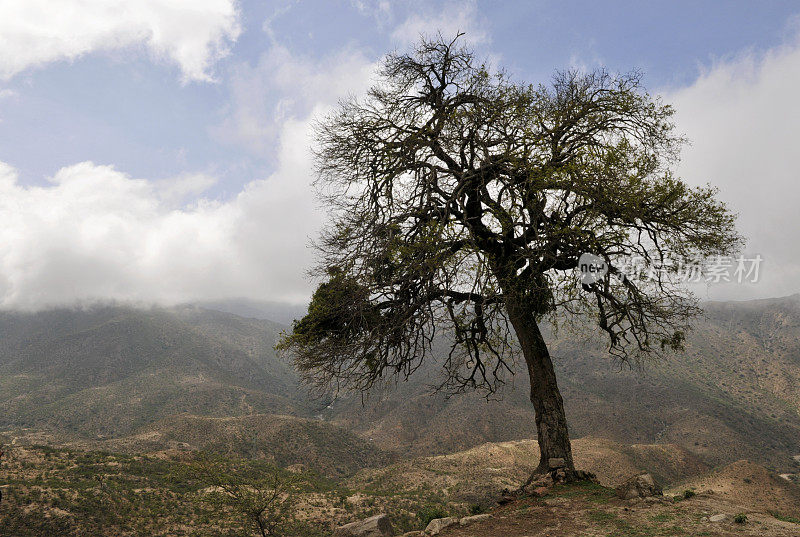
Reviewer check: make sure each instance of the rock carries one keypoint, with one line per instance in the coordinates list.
(639, 486)
(717, 518)
(556, 462)
(586, 476)
(374, 526)
(438, 524)
(474, 518)
(415, 533)
(507, 497)
(540, 491)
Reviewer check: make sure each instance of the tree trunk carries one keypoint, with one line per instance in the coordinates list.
(551, 422)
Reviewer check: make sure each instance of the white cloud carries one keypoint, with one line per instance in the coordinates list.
(95, 233)
(742, 116)
(454, 17)
(190, 33)
(186, 186)
(283, 86)
(379, 10)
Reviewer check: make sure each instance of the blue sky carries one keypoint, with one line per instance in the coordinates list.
(188, 126)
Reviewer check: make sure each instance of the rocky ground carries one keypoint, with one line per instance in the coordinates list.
(583, 511)
(67, 492)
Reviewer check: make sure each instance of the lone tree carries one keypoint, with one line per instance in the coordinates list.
(263, 495)
(461, 203)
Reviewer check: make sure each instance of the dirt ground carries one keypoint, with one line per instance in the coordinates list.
(585, 514)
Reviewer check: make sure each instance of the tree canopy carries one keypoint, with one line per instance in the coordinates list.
(461, 201)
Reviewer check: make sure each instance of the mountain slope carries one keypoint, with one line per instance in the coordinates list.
(732, 395)
(110, 371)
(118, 372)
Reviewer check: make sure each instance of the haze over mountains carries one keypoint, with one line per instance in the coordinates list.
(192, 376)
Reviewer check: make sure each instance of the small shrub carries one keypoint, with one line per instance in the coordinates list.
(741, 518)
(476, 509)
(688, 493)
(430, 512)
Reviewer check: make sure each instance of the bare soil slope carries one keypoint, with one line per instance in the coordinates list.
(746, 483)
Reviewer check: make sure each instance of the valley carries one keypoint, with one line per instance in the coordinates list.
(132, 394)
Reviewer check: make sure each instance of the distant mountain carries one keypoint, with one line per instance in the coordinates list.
(280, 312)
(124, 373)
(734, 394)
(110, 371)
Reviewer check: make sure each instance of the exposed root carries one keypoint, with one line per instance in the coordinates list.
(540, 481)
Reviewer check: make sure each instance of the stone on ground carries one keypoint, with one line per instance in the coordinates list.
(639, 486)
(374, 526)
(474, 518)
(438, 524)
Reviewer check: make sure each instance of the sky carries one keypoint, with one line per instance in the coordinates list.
(158, 151)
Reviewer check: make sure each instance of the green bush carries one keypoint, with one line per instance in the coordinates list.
(688, 494)
(430, 512)
(741, 518)
(476, 509)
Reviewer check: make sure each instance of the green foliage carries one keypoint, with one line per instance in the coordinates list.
(337, 313)
(430, 512)
(785, 518)
(265, 496)
(740, 518)
(476, 509)
(688, 493)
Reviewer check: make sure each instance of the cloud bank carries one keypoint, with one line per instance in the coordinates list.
(741, 116)
(96, 234)
(283, 86)
(93, 233)
(192, 34)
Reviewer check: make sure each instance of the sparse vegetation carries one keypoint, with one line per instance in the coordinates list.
(476, 509)
(785, 518)
(430, 512)
(264, 495)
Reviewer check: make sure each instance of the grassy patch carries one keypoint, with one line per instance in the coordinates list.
(602, 516)
(785, 518)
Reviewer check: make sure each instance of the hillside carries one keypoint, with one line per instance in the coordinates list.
(746, 483)
(284, 440)
(121, 376)
(77, 493)
(732, 395)
(111, 371)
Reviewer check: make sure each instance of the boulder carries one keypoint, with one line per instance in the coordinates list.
(374, 526)
(474, 518)
(716, 518)
(438, 524)
(639, 486)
